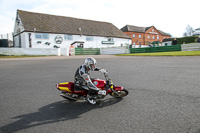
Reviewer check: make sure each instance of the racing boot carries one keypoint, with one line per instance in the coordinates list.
(90, 99)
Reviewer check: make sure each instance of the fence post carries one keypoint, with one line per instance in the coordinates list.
(100, 51)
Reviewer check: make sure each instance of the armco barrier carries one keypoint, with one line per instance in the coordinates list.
(191, 47)
(156, 49)
(87, 51)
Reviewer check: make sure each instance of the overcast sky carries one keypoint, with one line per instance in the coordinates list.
(170, 16)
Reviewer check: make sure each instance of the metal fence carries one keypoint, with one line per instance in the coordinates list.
(87, 51)
(156, 49)
(8, 36)
(6, 40)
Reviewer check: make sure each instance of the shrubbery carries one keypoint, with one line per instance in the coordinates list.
(186, 40)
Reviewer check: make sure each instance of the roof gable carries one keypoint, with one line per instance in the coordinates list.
(152, 30)
(67, 25)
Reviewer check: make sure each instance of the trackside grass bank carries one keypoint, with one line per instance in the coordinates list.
(176, 53)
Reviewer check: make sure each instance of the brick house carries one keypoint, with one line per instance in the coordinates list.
(143, 36)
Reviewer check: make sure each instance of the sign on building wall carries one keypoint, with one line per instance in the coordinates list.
(58, 39)
(108, 42)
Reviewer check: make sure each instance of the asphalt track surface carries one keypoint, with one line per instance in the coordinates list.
(164, 96)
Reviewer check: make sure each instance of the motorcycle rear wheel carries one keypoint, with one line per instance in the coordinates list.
(119, 94)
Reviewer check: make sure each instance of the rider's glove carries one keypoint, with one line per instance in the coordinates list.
(102, 92)
(103, 70)
(92, 86)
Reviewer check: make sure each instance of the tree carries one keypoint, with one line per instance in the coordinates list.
(188, 31)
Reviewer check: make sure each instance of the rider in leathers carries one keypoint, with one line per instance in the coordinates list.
(82, 78)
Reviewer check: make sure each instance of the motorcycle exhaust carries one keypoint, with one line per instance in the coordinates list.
(67, 96)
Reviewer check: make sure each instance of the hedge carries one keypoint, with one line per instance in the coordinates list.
(186, 40)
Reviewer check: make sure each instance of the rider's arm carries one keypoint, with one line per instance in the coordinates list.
(101, 70)
(89, 82)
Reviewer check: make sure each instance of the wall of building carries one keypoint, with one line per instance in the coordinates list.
(168, 43)
(16, 41)
(196, 32)
(96, 42)
(135, 37)
(35, 51)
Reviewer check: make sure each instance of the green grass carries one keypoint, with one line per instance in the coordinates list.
(20, 56)
(176, 53)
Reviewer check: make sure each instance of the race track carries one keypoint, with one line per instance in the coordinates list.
(164, 96)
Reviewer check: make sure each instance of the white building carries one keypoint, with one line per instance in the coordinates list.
(167, 42)
(36, 30)
(196, 32)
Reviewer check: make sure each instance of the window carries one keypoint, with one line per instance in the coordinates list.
(153, 37)
(152, 30)
(148, 37)
(133, 35)
(89, 38)
(38, 36)
(68, 37)
(157, 37)
(45, 36)
(140, 36)
(41, 36)
(133, 43)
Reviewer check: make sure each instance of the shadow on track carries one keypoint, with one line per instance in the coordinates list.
(55, 112)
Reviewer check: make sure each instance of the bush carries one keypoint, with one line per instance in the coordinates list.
(186, 40)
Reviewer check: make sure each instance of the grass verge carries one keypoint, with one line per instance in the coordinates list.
(175, 53)
(20, 56)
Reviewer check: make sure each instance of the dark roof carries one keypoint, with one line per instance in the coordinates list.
(168, 39)
(163, 33)
(76, 42)
(131, 28)
(67, 25)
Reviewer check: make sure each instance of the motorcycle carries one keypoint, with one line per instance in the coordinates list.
(68, 90)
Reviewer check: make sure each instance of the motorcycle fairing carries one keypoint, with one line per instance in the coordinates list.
(118, 88)
(66, 86)
(99, 83)
(69, 86)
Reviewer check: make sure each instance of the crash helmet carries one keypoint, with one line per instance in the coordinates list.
(90, 62)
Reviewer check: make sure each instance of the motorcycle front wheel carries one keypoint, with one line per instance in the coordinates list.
(119, 93)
